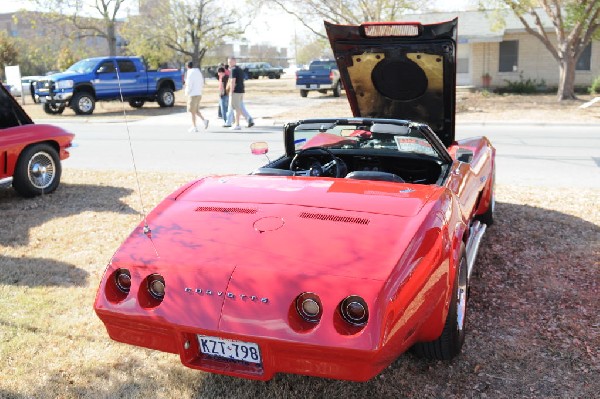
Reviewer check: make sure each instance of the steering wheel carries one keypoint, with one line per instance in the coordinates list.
(316, 169)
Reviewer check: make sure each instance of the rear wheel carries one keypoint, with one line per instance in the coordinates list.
(488, 216)
(303, 93)
(166, 97)
(136, 103)
(449, 344)
(83, 103)
(53, 108)
(337, 90)
(37, 171)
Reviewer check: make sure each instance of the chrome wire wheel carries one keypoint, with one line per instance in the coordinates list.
(85, 104)
(41, 170)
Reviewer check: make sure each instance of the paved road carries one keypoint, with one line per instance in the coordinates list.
(527, 154)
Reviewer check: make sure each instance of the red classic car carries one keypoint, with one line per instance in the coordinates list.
(354, 246)
(30, 155)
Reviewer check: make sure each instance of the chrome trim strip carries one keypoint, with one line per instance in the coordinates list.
(6, 182)
(477, 231)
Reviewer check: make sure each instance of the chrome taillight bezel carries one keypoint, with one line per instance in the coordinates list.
(354, 300)
(309, 299)
(123, 280)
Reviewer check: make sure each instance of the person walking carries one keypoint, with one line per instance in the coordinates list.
(194, 83)
(236, 97)
(223, 93)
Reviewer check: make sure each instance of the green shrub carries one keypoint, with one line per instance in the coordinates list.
(595, 87)
(524, 86)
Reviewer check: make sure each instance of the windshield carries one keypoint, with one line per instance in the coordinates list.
(377, 138)
(83, 66)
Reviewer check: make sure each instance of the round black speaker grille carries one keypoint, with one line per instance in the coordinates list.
(401, 80)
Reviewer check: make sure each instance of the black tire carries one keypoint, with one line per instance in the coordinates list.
(450, 343)
(54, 109)
(136, 103)
(271, 76)
(83, 103)
(166, 97)
(488, 216)
(278, 76)
(38, 171)
(303, 93)
(337, 90)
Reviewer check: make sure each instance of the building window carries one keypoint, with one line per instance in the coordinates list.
(509, 56)
(584, 61)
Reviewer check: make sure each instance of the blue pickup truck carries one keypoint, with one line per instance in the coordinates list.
(107, 78)
(322, 75)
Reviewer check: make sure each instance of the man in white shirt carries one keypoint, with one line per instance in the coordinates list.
(194, 83)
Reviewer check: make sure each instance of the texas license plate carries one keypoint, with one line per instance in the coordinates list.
(314, 86)
(229, 349)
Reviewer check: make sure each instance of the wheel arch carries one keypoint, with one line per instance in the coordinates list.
(165, 83)
(85, 87)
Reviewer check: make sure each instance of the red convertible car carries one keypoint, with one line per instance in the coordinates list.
(354, 246)
(30, 154)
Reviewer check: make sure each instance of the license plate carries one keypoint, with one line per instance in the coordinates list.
(229, 349)
(314, 86)
(42, 100)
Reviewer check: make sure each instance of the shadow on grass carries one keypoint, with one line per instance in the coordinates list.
(39, 272)
(20, 215)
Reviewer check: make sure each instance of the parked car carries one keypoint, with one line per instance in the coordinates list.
(355, 245)
(254, 70)
(30, 154)
(107, 78)
(27, 83)
(321, 75)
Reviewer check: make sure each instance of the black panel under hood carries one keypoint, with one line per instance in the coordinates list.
(399, 70)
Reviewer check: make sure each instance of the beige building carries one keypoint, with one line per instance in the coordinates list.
(508, 52)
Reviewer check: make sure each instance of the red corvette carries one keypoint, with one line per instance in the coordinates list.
(354, 246)
(30, 155)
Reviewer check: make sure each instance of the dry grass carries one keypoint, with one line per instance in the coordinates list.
(533, 320)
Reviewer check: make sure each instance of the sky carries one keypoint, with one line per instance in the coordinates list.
(272, 27)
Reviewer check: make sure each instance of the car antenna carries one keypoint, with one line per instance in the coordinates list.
(147, 231)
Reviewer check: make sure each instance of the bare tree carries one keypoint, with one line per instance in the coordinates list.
(189, 27)
(575, 23)
(346, 11)
(91, 17)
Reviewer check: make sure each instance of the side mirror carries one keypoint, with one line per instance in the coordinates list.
(259, 148)
(464, 155)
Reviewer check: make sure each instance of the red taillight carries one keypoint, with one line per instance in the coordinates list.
(354, 310)
(308, 306)
(123, 280)
(156, 286)
(330, 75)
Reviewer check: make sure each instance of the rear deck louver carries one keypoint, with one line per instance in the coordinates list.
(224, 209)
(333, 218)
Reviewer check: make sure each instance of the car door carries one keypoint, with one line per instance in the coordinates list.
(106, 83)
(130, 79)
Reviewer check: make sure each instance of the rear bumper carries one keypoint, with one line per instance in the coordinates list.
(316, 86)
(277, 356)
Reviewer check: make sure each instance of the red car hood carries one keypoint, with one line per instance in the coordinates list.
(316, 226)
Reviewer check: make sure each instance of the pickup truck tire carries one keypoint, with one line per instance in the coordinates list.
(38, 171)
(83, 103)
(136, 103)
(54, 109)
(166, 97)
(337, 90)
(303, 93)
